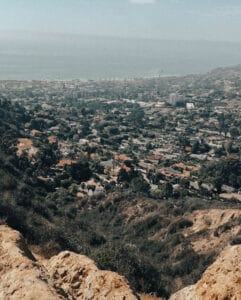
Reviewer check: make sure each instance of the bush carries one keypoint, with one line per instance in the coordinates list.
(140, 272)
(7, 182)
(236, 240)
(96, 239)
(180, 224)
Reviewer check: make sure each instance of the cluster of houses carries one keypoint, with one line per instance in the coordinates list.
(145, 126)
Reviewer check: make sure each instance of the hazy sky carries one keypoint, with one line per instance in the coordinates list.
(162, 19)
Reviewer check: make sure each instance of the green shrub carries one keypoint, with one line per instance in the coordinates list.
(236, 240)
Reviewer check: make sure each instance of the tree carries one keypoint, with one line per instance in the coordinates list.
(47, 155)
(137, 117)
(139, 184)
(79, 171)
(167, 190)
(234, 132)
(85, 128)
(195, 147)
(226, 171)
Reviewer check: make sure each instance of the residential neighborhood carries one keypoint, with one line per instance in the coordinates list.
(164, 129)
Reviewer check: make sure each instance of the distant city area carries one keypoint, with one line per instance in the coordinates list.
(166, 129)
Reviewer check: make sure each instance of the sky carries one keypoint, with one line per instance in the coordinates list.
(214, 20)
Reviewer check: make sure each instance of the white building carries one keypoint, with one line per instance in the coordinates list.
(190, 105)
(173, 99)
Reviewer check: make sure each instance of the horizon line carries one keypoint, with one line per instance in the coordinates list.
(29, 33)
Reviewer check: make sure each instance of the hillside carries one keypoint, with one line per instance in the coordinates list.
(220, 281)
(65, 276)
(153, 239)
(26, 275)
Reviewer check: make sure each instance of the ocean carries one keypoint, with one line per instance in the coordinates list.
(82, 57)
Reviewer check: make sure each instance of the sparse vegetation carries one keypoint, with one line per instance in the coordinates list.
(116, 179)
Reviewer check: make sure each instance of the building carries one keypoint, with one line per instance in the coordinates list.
(190, 106)
(173, 99)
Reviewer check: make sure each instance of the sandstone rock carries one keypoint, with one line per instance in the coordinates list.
(77, 276)
(221, 281)
(65, 276)
(21, 277)
(213, 222)
(188, 293)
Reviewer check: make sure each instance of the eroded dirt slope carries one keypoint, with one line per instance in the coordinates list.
(221, 281)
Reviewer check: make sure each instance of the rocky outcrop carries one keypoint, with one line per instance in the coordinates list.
(221, 281)
(21, 277)
(64, 276)
(188, 293)
(219, 226)
(77, 276)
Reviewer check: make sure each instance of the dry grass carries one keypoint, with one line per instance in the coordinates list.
(65, 162)
(149, 297)
(26, 145)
